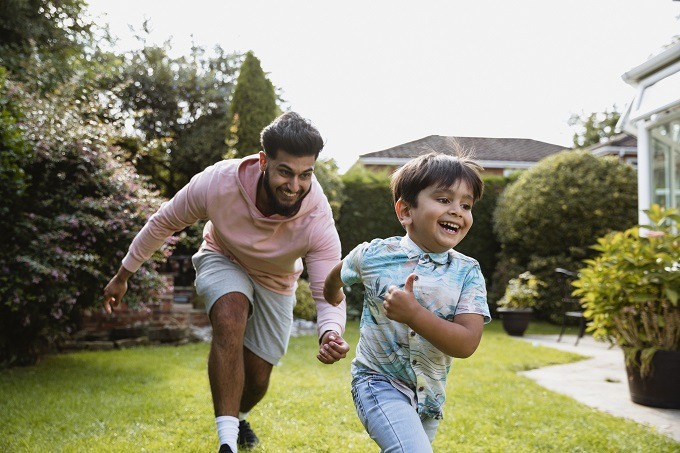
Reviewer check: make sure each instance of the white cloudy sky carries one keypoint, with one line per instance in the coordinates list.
(372, 74)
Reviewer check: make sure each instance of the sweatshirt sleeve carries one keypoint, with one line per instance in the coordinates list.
(184, 209)
(325, 253)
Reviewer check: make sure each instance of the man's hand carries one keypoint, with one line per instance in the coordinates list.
(332, 348)
(116, 289)
(401, 306)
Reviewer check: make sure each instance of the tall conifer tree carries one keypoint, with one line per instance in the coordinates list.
(252, 108)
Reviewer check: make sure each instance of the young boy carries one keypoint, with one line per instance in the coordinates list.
(424, 303)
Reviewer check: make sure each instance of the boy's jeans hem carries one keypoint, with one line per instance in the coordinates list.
(389, 417)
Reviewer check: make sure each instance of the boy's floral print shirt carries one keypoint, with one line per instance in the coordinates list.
(448, 284)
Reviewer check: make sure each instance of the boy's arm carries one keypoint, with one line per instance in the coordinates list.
(332, 287)
(459, 338)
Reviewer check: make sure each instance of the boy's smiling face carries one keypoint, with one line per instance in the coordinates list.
(441, 218)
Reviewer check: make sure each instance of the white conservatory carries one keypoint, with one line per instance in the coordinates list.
(654, 117)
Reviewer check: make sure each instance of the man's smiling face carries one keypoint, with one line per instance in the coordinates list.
(286, 181)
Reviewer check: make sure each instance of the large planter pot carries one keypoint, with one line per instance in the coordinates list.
(515, 320)
(662, 387)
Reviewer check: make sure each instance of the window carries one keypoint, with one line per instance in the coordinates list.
(665, 154)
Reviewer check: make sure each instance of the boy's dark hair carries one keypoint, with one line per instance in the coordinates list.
(292, 134)
(435, 168)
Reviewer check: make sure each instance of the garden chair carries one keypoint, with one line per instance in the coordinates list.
(570, 306)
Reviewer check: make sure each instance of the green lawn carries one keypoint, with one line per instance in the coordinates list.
(158, 399)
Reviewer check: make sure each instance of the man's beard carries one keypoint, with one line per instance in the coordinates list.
(277, 207)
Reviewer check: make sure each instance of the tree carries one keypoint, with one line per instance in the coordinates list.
(594, 128)
(14, 156)
(56, 33)
(179, 108)
(252, 108)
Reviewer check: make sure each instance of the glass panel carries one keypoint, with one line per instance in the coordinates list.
(658, 97)
(665, 153)
(675, 201)
(660, 192)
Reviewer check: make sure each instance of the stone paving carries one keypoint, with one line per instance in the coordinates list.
(599, 382)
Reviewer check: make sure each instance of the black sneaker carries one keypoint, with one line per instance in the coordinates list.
(246, 437)
(225, 448)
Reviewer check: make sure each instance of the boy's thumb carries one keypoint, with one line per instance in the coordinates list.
(408, 286)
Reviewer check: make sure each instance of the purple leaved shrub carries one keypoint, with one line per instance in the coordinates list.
(74, 207)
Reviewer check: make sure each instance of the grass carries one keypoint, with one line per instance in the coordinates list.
(158, 399)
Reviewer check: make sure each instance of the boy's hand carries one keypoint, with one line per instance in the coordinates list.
(332, 348)
(401, 305)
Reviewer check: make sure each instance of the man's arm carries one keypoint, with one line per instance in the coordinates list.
(184, 209)
(332, 346)
(321, 259)
(116, 289)
(323, 255)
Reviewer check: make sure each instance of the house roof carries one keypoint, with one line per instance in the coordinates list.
(620, 141)
(482, 148)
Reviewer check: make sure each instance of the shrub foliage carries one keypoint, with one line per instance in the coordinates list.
(480, 242)
(631, 288)
(305, 307)
(554, 211)
(74, 210)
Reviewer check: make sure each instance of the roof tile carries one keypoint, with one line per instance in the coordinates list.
(482, 148)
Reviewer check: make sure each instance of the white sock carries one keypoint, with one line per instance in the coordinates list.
(227, 430)
(242, 415)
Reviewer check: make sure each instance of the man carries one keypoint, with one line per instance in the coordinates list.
(265, 213)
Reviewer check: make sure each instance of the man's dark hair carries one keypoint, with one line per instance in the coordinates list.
(435, 169)
(292, 134)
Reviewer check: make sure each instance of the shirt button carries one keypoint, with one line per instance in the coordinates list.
(413, 333)
(414, 361)
(420, 389)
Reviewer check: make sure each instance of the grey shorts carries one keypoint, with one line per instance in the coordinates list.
(271, 314)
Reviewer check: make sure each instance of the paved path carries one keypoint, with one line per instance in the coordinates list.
(599, 382)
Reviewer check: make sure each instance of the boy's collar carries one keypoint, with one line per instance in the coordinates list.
(413, 251)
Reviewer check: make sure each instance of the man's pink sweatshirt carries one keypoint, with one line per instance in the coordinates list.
(270, 249)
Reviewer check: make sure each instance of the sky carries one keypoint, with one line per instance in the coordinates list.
(373, 74)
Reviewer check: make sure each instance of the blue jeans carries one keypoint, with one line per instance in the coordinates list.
(390, 418)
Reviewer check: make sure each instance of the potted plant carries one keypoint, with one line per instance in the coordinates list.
(517, 304)
(630, 294)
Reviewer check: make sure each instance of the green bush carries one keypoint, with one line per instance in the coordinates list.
(305, 307)
(521, 292)
(326, 172)
(481, 243)
(69, 225)
(367, 212)
(631, 289)
(554, 211)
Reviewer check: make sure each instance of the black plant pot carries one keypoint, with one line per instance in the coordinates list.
(661, 388)
(515, 320)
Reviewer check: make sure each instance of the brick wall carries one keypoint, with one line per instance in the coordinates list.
(173, 319)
